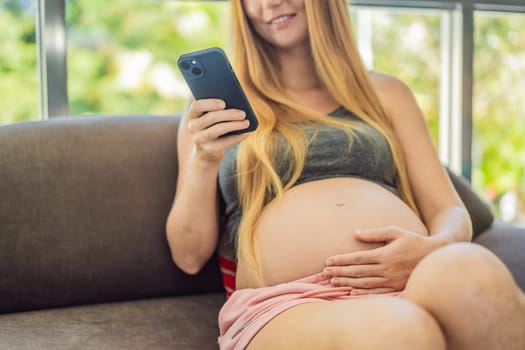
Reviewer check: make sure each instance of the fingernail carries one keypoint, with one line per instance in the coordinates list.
(327, 273)
(242, 114)
(329, 262)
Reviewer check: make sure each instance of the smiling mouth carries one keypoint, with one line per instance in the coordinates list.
(281, 19)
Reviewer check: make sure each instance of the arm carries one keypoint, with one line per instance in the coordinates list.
(442, 211)
(192, 224)
(441, 208)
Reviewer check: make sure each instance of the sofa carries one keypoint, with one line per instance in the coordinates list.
(84, 262)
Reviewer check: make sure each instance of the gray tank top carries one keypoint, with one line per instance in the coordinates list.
(327, 157)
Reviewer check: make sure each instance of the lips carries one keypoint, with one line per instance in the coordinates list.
(281, 19)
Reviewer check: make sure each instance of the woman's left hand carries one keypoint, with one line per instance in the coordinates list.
(380, 270)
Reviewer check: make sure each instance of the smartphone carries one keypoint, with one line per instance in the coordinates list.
(209, 74)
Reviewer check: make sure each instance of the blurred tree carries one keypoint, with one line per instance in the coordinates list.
(407, 45)
(18, 63)
(499, 109)
(122, 58)
(13, 6)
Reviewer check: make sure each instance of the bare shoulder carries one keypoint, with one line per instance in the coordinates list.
(394, 95)
(384, 83)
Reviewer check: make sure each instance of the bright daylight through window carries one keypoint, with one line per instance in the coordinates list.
(18, 62)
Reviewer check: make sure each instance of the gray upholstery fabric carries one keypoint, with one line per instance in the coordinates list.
(508, 243)
(479, 211)
(171, 323)
(83, 209)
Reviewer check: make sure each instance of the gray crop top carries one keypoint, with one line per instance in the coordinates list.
(327, 157)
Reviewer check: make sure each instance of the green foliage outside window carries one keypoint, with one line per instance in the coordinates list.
(407, 45)
(122, 54)
(18, 64)
(499, 111)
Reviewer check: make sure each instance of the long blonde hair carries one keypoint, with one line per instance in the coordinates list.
(339, 68)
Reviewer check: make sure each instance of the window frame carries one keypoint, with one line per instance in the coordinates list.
(52, 57)
(456, 125)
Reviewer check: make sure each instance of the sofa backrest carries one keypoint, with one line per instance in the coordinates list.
(83, 204)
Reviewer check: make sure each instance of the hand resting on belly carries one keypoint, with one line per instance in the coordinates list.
(316, 220)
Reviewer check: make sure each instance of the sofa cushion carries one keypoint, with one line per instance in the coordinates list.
(169, 323)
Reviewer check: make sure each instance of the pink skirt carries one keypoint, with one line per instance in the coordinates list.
(247, 311)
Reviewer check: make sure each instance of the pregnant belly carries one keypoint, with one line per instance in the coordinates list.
(316, 220)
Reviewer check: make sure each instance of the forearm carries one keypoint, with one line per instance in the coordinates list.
(192, 225)
(451, 225)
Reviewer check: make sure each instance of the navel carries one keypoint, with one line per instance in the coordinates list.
(340, 203)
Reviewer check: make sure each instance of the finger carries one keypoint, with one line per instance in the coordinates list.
(356, 292)
(217, 130)
(233, 139)
(359, 283)
(356, 271)
(209, 119)
(199, 107)
(381, 234)
(218, 146)
(365, 257)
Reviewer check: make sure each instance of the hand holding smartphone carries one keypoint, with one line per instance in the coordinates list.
(209, 74)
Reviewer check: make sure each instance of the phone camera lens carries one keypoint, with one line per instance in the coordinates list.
(185, 65)
(196, 71)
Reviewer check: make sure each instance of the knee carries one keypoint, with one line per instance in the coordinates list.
(462, 266)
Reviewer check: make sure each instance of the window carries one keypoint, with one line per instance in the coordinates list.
(122, 54)
(406, 45)
(19, 97)
(121, 60)
(499, 113)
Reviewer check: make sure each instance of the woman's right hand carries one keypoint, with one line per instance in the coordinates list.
(192, 227)
(208, 122)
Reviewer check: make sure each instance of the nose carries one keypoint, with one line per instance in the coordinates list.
(271, 3)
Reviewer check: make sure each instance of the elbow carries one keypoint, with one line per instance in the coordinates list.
(463, 217)
(189, 260)
(191, 271)
(467, 222)
(188, 264)
(191, 242)
(186, 260)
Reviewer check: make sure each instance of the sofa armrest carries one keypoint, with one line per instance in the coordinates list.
(508, 243)
(479, 211)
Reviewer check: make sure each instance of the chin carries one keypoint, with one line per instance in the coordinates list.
(289, 44)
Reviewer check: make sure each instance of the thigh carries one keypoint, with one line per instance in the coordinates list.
(377, 322)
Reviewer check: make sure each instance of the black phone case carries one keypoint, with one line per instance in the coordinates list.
(218, 80)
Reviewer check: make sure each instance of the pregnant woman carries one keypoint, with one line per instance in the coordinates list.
(344, 227)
